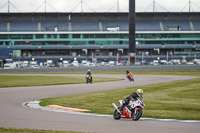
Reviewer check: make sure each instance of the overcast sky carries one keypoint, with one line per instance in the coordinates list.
(98, 5)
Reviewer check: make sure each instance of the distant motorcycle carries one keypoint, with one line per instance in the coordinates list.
(130, 77)
(88, 79)
(132, 110)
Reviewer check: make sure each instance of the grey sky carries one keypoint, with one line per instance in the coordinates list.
(98, 5)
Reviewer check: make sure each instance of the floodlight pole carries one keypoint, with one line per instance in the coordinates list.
(118, 6)
(81, 6)
(154, 6)
(189, 5)
(45, 6)
(132, 47)
(8, 6)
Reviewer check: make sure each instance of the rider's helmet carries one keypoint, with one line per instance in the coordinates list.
(127, 71)
(139, 92)
(88, 70)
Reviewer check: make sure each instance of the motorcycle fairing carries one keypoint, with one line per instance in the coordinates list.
(126, 113)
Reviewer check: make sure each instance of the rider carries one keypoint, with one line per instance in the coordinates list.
(128, 74)
(89, 74)
(133, 96)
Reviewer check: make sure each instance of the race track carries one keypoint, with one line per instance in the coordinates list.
(14, 115)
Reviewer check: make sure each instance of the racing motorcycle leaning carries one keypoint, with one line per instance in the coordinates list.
(132, 110)
(130, 77)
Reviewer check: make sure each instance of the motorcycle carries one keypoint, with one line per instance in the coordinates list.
(130, 77)
(132, 110)
(88, 79)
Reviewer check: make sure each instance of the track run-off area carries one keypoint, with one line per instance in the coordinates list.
(13, 114)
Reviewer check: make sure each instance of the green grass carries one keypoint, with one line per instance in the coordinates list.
(14, 130)
(175, 100)
(20, 81)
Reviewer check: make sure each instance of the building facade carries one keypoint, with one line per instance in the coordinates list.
(66, 35)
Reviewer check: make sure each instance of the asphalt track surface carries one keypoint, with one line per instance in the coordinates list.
(14, 115)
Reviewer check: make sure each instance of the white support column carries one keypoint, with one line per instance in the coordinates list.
(8, 26)
(161, 26)
(39, 26)
(100, 26)
(70, 25)
(192, 26)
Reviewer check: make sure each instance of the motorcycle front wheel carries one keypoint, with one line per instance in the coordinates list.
(90, 80)
(116, 115)
(136, 116)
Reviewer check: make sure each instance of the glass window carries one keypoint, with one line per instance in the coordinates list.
(15, 36)
(78, 42)
(76, 36)
(54, 36)
(49, 36)
(100, 35)
(92, 36)
(39, 36)
(86, 36)
(64, 35)
(3, 36)
(113, 36)
(91, 42)
(17, 53)
(28, 36)
(124, 36)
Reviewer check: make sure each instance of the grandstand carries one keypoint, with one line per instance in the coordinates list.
(67, 35)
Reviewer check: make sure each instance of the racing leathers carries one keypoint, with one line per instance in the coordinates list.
(132, 97)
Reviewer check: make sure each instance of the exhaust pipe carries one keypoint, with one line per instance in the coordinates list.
(115, 106)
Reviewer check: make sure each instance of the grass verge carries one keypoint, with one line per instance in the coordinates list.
(21, 81)
(14, 130)
(174, 100)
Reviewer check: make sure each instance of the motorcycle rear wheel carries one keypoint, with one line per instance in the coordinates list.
(116, 115)
(136, 116)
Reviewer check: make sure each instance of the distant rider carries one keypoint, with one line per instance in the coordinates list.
(89, 74)
(129, 75)
(134, 96)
